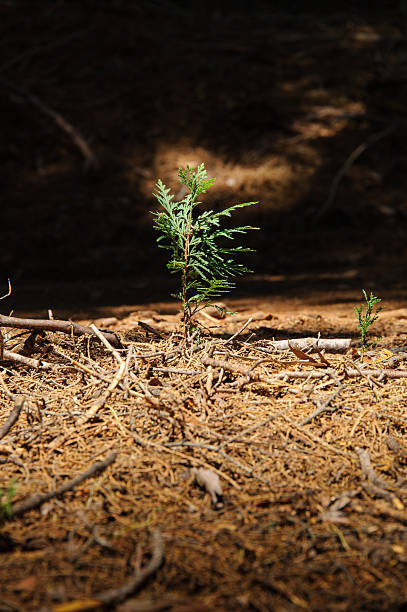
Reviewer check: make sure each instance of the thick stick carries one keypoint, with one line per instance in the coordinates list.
(55, 325)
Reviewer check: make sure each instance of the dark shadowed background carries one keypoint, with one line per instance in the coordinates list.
(99, 99)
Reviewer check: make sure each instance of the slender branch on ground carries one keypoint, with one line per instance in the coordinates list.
(114, 596)
(55, 325)
(63, 124)
(239, 331)
(4, 386)
(216, 449)
(177, 371)
(314, 438)
(150, 329)
(8, 292)
(350, 372)
(188, 459)
(113, 384)
(323, 406)
(367, 469)
(37, 500)
(252, 428)
(38, 364)
(13, 416)
(348, 163)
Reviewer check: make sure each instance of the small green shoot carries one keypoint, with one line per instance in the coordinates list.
(197, 244)
(368, 318)
(6, 499)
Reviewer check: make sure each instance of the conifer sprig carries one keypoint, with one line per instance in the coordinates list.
(197, 243)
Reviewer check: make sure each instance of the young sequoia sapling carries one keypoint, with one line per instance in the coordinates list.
(200, 253)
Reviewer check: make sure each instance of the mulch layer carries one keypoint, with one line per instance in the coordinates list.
(233, 473)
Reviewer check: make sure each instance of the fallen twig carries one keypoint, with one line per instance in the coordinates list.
(8, 292)
(323, 363)
(323, 405)
(150, 329)
(55, 325)
(73, 133)
(37, 500)
(13, 416)
(348, 163)
(38, 364)
(316, 439)
(188, 459)
(239, 331)
(350, 372)
(112, 597)
(215, 449)
(113, 384)
(367, 469)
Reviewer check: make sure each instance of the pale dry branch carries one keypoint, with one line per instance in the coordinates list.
(331, 345)
(367, 469)
(113, 384)
(38, 364)
(239, 331)
(9, 291)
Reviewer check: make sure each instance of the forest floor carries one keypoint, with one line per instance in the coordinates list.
(309, 451)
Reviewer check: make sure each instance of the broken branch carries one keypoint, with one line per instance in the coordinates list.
(55, 325)
(37, 500)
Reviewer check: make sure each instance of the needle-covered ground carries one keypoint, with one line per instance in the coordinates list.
(306, 454)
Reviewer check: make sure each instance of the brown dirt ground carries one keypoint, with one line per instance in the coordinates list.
(273, 98)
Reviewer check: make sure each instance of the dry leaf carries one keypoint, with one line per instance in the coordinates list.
(209, 481)
(304, 356)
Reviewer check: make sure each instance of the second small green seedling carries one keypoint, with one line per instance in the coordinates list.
(367, 318)
(6, 497)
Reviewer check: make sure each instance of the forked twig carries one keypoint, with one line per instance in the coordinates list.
(323, 405)
(367, 469)
(113, 384)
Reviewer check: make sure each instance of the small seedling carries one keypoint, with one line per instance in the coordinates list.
(6, 499)
(369, 317)
(197, 244)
